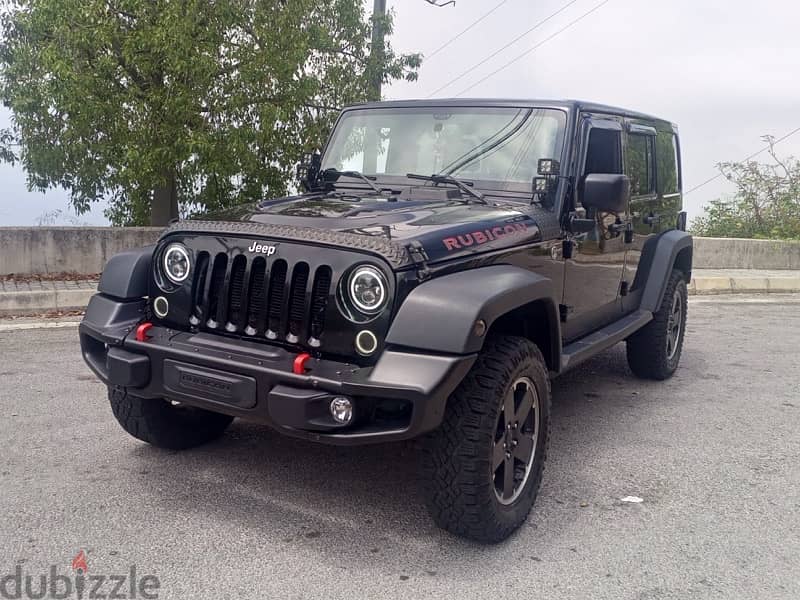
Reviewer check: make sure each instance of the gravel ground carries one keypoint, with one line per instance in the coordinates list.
(713, 453)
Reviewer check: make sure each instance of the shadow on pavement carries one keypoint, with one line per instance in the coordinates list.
(366, 501)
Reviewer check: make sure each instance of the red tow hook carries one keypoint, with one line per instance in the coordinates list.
(141, 332)
(299, 367)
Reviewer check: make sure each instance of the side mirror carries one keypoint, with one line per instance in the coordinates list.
(606, 192)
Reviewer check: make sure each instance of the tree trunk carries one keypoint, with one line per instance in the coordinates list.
(165, 200)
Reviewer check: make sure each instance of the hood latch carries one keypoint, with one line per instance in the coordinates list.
(416, 251)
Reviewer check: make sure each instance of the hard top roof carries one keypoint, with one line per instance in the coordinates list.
(570, 105)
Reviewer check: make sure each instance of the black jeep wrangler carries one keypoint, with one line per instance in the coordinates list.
(447, 259)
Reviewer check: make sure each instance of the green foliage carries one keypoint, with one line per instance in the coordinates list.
(766, 204)
(215, 101)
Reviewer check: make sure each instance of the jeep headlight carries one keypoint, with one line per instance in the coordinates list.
(176, 263)
(368, 289)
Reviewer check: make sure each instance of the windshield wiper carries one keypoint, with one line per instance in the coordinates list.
(464, 186)
(357, 174)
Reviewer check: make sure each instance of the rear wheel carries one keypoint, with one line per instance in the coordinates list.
(164, 424)
(484, 465)
(655, 350)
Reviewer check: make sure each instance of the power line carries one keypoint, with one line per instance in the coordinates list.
(764, 149)
(473, 24)
(508, 45)
(530, 50)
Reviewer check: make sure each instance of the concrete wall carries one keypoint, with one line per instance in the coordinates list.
(25, 250)
(731, 253)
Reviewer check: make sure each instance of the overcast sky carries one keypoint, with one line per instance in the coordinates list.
(725, 71)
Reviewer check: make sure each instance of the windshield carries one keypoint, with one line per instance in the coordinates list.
(497, 148)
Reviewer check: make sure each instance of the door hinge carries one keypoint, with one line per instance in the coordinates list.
(628, 236)
(563, 311)
(623, 288)
(566, 249)
(416, 251)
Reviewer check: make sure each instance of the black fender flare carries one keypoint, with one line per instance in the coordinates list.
(657, 264)
(126, 275)
(440, 315)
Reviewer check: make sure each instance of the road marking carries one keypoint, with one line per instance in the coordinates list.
(37, 325)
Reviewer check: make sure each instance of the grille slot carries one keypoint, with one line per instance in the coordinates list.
(277, 292)
(297, 302)
(199, 287)
(236, 291)
(257, 310)
(215, 290)
(254, 297)
(319, 302)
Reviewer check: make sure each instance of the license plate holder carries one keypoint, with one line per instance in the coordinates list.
(186, 381)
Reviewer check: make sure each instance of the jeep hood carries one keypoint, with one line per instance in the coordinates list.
(445, 228)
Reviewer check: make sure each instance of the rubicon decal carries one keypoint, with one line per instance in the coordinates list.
(483, 236)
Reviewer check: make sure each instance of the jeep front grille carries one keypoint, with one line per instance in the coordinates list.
(249, 297)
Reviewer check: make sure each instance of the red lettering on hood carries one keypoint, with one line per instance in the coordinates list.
(451, 244)
(482, 237)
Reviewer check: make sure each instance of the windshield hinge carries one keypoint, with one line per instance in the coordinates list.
(416, 251)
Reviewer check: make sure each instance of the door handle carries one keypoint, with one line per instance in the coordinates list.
(625, 228)
(652, 219)
(618, 227)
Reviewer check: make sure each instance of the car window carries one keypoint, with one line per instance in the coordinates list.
(498, 148)
(668, 163)
(603, 153)
(640, 164)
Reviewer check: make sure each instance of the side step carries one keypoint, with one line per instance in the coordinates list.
(604, 338)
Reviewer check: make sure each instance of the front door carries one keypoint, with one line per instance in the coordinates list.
(593, 274)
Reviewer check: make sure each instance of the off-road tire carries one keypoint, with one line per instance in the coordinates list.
(162, 424)
(459, 475)
(648, 354)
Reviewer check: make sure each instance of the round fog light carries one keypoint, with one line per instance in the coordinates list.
(366, 342)
(341, 410)
(161, 307)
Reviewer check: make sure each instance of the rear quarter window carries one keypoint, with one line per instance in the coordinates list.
(667, 167)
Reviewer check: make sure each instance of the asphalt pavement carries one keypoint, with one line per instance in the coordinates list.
(714, 454)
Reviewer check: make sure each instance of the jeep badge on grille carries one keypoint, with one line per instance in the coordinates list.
(262, 249)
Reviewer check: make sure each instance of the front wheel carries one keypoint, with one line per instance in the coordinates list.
(484, 465)
(655, 350)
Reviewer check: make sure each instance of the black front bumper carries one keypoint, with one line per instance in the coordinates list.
(402, 396)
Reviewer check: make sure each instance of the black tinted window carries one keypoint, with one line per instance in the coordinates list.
(667, 161)
(640, 164)
(603, 152)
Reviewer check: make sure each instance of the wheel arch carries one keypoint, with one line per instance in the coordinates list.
(671, 250)
(126, 275)
(441, 315)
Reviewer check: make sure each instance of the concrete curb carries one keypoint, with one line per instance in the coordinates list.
(743, 284)
(46, 300)
(37, 301)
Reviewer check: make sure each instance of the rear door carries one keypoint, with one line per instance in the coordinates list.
(652, 161)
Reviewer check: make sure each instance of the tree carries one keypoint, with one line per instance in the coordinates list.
(766, 203)
(191, 104)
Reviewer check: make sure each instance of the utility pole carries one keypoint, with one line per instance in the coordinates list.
(378, 34)
(378, 15)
